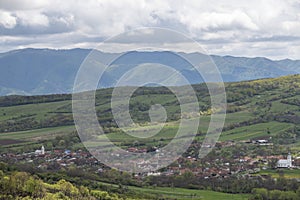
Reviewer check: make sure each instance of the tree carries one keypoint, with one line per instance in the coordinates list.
(35, 188)
(67, 188)
(288, 195)
(272, 163)
(298, 192)
(275, 194)
(260, 192)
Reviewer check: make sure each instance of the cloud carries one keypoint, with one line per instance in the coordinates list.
(223, 27)
(13, 5)
(214, 21)
(7, 20)
(32, 19)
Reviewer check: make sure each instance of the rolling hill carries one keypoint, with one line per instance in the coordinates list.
(256, 109)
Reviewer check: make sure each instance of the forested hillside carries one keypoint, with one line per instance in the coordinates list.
(267, 107)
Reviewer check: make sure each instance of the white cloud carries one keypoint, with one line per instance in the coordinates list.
(7, 20)
(214, 21)
(223, 27)
(30, 18)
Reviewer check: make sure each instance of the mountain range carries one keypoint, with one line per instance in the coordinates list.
(48, 71)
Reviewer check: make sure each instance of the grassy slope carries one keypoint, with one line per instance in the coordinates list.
(182, 194)
(186, 194)
(253, 131)
(42, 111)
(247, 106)
(287, 173)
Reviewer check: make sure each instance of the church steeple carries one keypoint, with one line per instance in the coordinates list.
(43, 150)
(289, 159)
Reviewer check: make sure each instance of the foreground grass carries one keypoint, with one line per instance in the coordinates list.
(185, 194)
(181, 193)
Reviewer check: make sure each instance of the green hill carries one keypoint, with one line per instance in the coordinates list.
(256, 109)
(260, 109)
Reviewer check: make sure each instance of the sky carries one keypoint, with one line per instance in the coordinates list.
(257, 28)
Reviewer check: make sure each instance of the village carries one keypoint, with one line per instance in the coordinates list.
(206, 168)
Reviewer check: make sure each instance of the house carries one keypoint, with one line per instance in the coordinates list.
(282, 163)
(261, 141)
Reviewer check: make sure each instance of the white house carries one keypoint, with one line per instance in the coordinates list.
(282, 163)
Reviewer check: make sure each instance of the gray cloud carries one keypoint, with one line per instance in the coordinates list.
(14, 5)
(222, 27)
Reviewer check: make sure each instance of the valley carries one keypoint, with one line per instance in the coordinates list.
(261, 110)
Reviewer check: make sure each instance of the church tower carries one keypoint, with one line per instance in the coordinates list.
(43, 150)
(289, 160)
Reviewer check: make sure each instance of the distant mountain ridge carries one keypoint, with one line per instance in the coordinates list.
(47, 71)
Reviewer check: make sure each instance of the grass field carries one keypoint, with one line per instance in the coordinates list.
(39, 110)
(163, 137)
(257, 130)
(295, 147)
(187, 194)
(22, 138)
(248, 108)
(182, 194)
(287, 173)
(277, 106)
(44, 132)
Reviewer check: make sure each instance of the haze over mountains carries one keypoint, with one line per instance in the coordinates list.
(46, 71)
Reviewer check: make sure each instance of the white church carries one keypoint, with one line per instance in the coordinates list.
(282, 163)
(40, 151)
